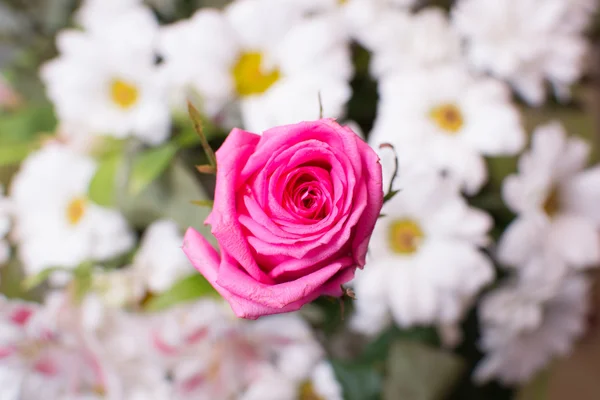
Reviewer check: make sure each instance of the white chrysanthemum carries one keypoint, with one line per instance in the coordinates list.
(55, 224)
(456, 118)
(97, 14)
(525, 42)
(424, 264)
(521, 334)
(107, 83)
(358, 17)
(556, 202)
(160, 260)
(5, 224)
(265, 57)
(401, 41)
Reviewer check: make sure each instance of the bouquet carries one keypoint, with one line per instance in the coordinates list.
(294, 199)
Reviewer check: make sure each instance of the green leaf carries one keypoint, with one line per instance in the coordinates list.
(359, 382)
(170, 197)
(14, 153)
(26, 124)
(187, 289)
(102, 189)
(419, 372)
(82, 280)
(34, 281)
(390, 195)
(149, 165)
(380, 347)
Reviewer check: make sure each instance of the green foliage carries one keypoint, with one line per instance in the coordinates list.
(102, 189)
(20, 132)
(169, 196)
(34, 281)
(419, 372)
(359, 381)
(187, 289)
(149, 165)
(379, 348)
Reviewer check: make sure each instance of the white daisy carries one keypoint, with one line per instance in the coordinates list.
(55, 224)
(358, 17)
(556, 202)
(521, 334)
(107, 83)
(424, 266)
(456, 118)
(401, 40)
(265, 57)
(97, 14)
(160, 260)
(525, 42)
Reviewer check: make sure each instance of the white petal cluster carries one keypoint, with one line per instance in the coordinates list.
(261, 57)
(446, 118)
(55, 224)
(555, 199)
(105, 80)
(522, 333)
(540, 312)
(526, 42)
(425, 266)
(88, 351)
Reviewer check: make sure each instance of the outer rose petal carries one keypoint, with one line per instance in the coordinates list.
(226, 227)
(207, 261)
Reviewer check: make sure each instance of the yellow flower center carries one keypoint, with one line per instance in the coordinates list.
(76, 210)
(342, 2)
(307, 392)
(552, 204)
(123, 94)
(448, 117)
(250, 78)
(405, 236)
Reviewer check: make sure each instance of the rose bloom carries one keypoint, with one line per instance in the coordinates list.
(293, 213)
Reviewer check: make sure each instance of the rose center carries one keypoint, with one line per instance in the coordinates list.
(551, 205)
(123, 94)
(447, 117)
(250, 75)
(76, 210)
(307, 392)
(309, 201)
(405, 236)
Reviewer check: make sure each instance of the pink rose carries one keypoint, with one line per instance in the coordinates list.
(293, 213)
